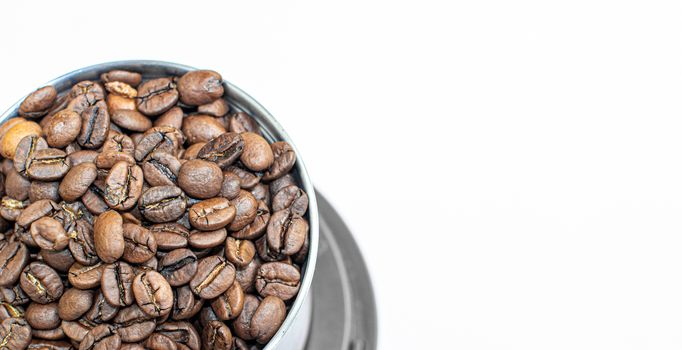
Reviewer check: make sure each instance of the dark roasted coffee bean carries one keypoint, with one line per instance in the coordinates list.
(38, 103)
(170, 236)
(200, 179)
(223, 150)
(182, 333)
(216, 335)
(13, 257)
(85, 276)
(284, 161)
(247, 208)
(178, 266)
(117, 280)
(230, 186)
(153, 293)
(246, 276)
(42, 316)
(44, 190)
(140, 244)
(156, 96)
(48, 233)
(82, 243)
(262, 193)
(239, 252)
(162, 204)
(217, 108)
(41, 283)
(77, 181)
(266, 252)
(229, 305)
(102, 337)
(165, 139)
(94, 126)
(214, 276)
(62, 128)
(74, 303)
(201, 128)
(24, 152)
(212, 214)
(17, 186)
(279, 279)
(280, 183)
(247, 179)
(133, 325)
(93, 199)
(286, 232)
(109, 241)
(186, 304)
(267, 319)
(200, 87)
(15, 333)
(257, 154)
(48, 165)
(60, 260)
(123, 186)
(207, 239)
(291, 197)
(172, 117)
(241, 122)
(101, 311)
(161, 169)
(130, 78)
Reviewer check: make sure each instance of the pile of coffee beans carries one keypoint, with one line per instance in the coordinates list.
(142, 213)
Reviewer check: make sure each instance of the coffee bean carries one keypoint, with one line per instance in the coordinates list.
(160, 342)
(172, 117)
(241, 122)
(153, 293)
(93, 90)
(85, 276)
(260, 320)
(133, 325)
(101, 311)
(62, 128)
(44, 190)
(230, 186)
(13, 135)
(162, 204)
(223, 150)
(165, 139)
(201, 128)
(94, 126)
(183, 333)
(200, 87)
(120, 88)
(192, 152)
(200, 179)
(13, 295)
(103, 336)
(60, 260)
(15, 333)
(48, 165)
(257, 154)
(38, 103)
(178, 266)
(170, 236)
(207, 239)
(278, 279)
(217, 108)
(286, 232)
(229, 305)
(78, 329)
(41, 283)
(291, 197)
(161, 169)
(48, 233)
(24, 152)
(284, 161)
(256, 228)
(109, 241)
(123, 186)
(156, 96)
(217, 335)
(74, 303)
(239, 252)
(10, 208)
(13, 257)
(247, 179)
(212, 214)
(17, 186)
(117, 280)
(42, 316)
(77, 181)
(140, 244)
(83, 156)
(214, 276)
(247, 208)
(262, 193)
(131, 120)
(130, 78)
(186, 305)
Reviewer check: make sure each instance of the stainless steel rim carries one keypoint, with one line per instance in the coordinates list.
(272, 129)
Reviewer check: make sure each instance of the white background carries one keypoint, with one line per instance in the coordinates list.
(511, 169)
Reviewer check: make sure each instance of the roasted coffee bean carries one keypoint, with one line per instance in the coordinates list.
(130, 78)
(93, 199)
(201, 128)
(284, 161)
(286, 232)
(60, 260)
(13, 295)
(62, 128)
(162, 204)
(83, 156)
(262, 193)
(13, 257)
(94, 126)
(212, 214)
(77, 181)
(239, 252)
(123, 186)
(109, 241)
(48, 233)
(120, 88)
(260, 320)
(247, 208)
(165, 139)
(278, 279)
(92, 90)
(160, 342)
(15, 333)
(36, 211)
(161, 169)
(266, 252)
(230, 186)
(117, 280)
(156, 96)
(223, 150)
(23, 155)
(102, 337)
(10, 209)
(247, 179)
(131, 120)
(291, 197)
(200, 87)
(101, 311)
(173, 118)
(140, 244)
(170, 236)
(41, 283)
(17, 186)
(185, 304)
(44, 190)
(82, 243)
(38, 103)
(78, 329)
(207, 239)
(178, 266)
(9, 311)
(246, 276)
(200, 179)
(256, 228)
(42, 344)
(74, 303)
(257, 154)
(85, 276)
(42, 316)
(17, 131)
(229, 305)
(192, 152)
(217, 108)
(133, 325)
(241, 122)
(216, 335)
(183, 333)
(48, 165)
(153, 293)
(214, 276)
